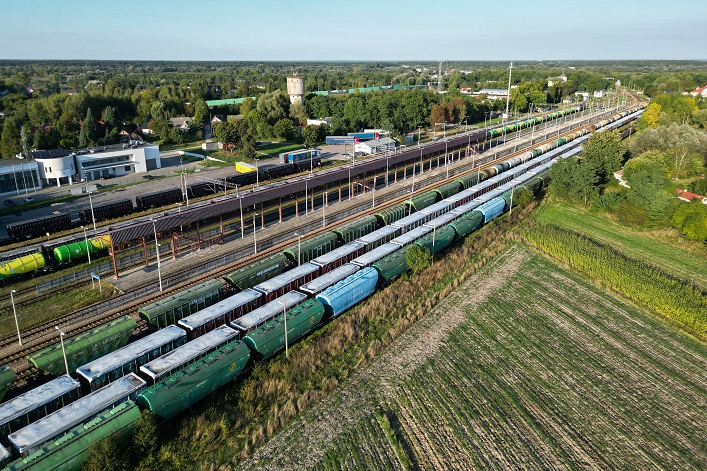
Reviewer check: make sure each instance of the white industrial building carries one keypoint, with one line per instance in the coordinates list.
(18, 177)
(66, 167)
(375, 146)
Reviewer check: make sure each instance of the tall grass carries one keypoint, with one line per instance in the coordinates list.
(678, 300)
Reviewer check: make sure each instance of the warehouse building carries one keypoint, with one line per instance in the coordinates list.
(66, 167)
(375, 146)
(19, 176)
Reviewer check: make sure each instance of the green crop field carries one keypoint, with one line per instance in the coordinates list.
(525, 365)
(684, 259)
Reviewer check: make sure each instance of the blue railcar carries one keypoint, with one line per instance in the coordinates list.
(492, 209)
(348, 292)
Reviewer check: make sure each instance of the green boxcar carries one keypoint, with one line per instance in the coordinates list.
(390, 267)
(422, 201)
(185, 387)
(85, 347)
(358, 228)
(67, 452)
(256, 273)
(172, 309)
(443, 236)
(312, 248)
(467, 181)
(392, 214)
(534, 184)
(447, 190)
(467, 223)
(267, 340)
(7, 377)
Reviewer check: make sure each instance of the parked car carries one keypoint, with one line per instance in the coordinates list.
(29, 199)
(108, 176)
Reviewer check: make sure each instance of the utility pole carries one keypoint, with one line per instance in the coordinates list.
(439, 78)
(508, 97)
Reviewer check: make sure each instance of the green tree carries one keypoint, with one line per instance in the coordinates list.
(228, 133)
(298, 112)
(604, 153)
(84, 139)
(284, 129)
(144, 435)
(649, 118)
(647, 178)
(10, 143)
(111, 117)
(418, 258)
(91, 126)
(246, 106)
(107, 455)
(573, 180)
(201, 113)
(310, 135)
(176, 136)
(685, 146)
(522, 197)
(354, 112)
(691, 220)
(274, 106)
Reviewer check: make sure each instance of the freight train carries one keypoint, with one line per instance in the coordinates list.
(336, 280)
(49, 255)
(190, 371)
(308, 286)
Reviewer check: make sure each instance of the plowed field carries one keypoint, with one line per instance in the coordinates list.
(524, 366)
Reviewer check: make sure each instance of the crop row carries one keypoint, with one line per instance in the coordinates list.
(679, 300)
(543, 378)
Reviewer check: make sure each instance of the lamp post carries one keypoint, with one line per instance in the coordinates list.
(240, 204)
(434, 233)
(255, 241)
(257, 177)
(85, 238)
(157, 251)
(90, 201)
(63, 350)
(446, 156)
(284, 319)
(299, 242)
(12, 299)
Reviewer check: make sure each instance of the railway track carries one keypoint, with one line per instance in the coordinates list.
(44, 335)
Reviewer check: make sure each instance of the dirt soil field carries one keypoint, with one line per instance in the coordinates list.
(524, 366)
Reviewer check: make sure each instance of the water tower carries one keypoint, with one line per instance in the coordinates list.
(295, 88)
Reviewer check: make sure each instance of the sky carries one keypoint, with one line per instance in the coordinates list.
(306, 30)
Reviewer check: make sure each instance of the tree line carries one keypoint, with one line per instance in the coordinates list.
(46, 103)
(670, 147)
